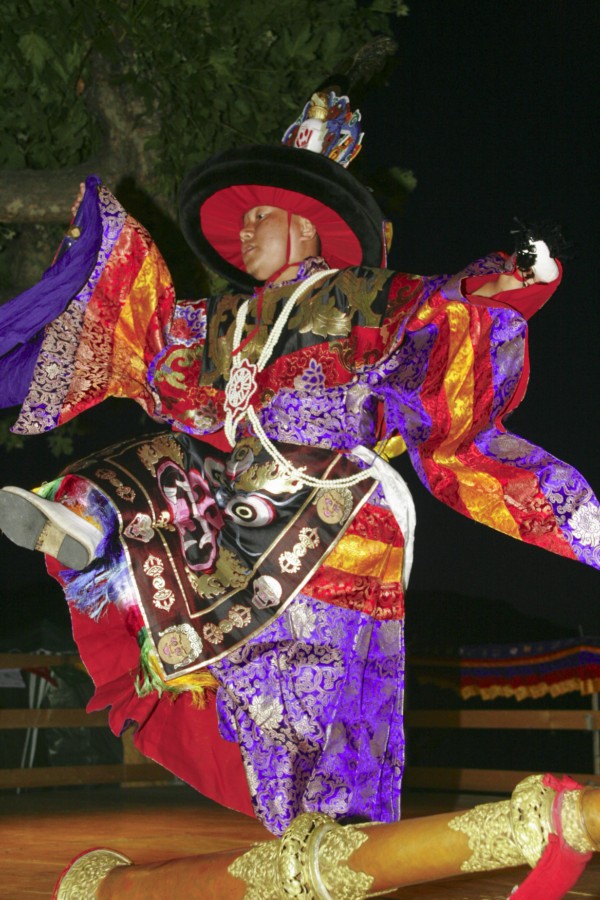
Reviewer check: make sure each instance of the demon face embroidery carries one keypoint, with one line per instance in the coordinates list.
(194, 512)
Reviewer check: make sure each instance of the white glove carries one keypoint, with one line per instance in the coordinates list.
(544, 268)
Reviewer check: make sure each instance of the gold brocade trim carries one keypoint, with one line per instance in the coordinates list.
(308, 863)
(340, 880)
(364, 556)
(258, 870)
(490, 838)
(84, 875)
(583, 686)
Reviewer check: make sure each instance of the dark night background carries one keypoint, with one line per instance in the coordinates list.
(492, 106)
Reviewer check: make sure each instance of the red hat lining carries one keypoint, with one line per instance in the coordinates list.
(221, 218)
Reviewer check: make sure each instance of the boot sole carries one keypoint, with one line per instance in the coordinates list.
(24, 524)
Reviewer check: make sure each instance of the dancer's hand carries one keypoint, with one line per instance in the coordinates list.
(78, 199)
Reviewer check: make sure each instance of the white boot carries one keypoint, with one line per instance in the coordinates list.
(38, 524)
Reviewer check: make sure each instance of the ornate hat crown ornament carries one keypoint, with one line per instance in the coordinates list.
(327, 126)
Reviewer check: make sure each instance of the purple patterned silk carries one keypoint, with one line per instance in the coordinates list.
(573, 502)
(315, 703)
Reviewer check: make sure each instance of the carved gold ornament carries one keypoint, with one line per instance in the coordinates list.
(308, 863)
(573, 824)
(490, 837)
(84, 875)
(531, 816)
(515, 831)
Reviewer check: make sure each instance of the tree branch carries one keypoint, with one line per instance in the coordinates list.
(29, 196)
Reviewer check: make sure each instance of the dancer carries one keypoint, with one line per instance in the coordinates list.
(251, 563)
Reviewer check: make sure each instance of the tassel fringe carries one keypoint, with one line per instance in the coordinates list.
(150, 678)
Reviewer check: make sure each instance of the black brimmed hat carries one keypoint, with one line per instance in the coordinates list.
(216, 194)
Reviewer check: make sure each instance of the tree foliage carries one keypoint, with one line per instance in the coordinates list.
(150, 87)
(206, 74)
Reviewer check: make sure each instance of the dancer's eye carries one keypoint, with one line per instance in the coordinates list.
(256, 512)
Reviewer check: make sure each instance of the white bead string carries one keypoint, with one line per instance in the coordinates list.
(231, 421)
(230, 425)
(299, 474)
(240, 321)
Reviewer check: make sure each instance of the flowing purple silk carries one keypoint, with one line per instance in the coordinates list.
(315, 703)
(23, 318)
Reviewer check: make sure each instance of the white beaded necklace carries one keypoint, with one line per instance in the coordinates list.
(242, 385)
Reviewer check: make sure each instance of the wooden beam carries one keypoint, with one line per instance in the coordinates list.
(37, 660)
(52, 718)
(545, 719)
(58, 776)
(490, 781)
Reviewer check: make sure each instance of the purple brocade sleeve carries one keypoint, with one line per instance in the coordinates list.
(460, 368)
(23, 318)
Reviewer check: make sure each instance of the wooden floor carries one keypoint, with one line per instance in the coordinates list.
(41, 831)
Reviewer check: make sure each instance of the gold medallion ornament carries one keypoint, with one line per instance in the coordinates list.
(179, 645)
(334, 505)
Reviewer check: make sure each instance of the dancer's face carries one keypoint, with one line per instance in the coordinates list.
(264, 240)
